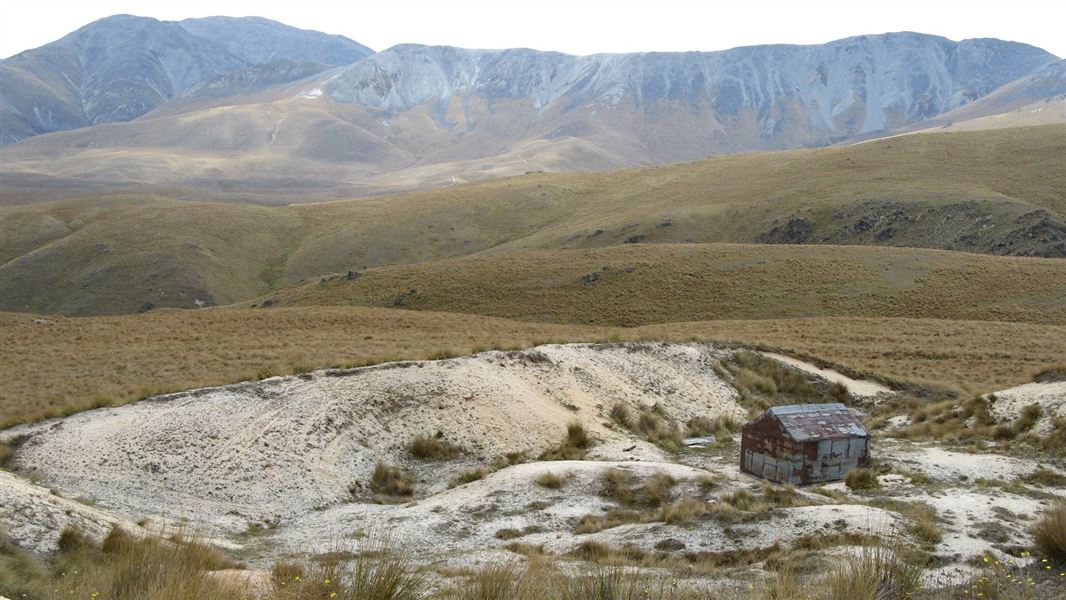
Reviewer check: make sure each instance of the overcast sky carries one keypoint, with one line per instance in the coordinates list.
(574, 26)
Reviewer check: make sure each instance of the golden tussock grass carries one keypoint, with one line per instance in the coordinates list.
(54, 366)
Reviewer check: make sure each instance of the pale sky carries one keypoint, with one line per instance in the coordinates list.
(575, 26)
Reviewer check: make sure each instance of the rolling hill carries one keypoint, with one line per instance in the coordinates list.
(996, 192)
(641, 284)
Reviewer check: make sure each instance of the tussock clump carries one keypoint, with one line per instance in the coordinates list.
(641, 502)
(553, 481)
(685, 511)
(388, 482)
(72, 539)
(123, 566)
(616, 486)
(924, 522)
(876, 572)
(612, 518)
(781, 496)
(619, 485)
(469, 475)
(1049, 534)
(378, 572)
(502, 581)
(1030, 415)
(508, 533)
(657, 489)
(433, 448)
(1056, 439)
(742, 505)
(1047, 477)
(722, 425)
(575, 444)
(861, 479)
(621, 414)
(652, 423)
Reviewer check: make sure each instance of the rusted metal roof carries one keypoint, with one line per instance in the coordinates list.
(805, 422)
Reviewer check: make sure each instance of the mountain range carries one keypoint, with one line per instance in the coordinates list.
(252, 110)
(121, 67)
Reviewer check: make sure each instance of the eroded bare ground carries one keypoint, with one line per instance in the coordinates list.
(286, 466)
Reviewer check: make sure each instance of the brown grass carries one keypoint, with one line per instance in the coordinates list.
(861, 479)
(1049, 534)
(124, 566)
(967, 356)
(469, 475)
(389, 482)
(638, 284)
(54, 366)
(652, 423)
(433, 448)
(877, 572)
(553, 481)
(574, 446)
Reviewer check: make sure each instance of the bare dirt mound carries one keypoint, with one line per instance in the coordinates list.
(35, 516)
(1050, 396)
(260, 452)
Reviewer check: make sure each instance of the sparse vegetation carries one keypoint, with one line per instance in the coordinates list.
(764, 382)
(653, 423)
(1046, 477)
(876, 572)
(552, 480)
(433, 448)
(574, 446)
(861, 479)
(954, 421)
(123, 566)
(722, 425)
(388, 482)
(469, 475)
(1050, 533)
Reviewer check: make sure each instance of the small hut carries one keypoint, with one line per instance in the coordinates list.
(804, 443)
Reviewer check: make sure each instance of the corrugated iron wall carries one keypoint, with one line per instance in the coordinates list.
(768, 452)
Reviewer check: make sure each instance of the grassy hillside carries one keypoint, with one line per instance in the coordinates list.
(999, 192)
(639, 284)
(63, 365)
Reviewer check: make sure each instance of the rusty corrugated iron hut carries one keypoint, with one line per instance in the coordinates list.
(804, 443)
